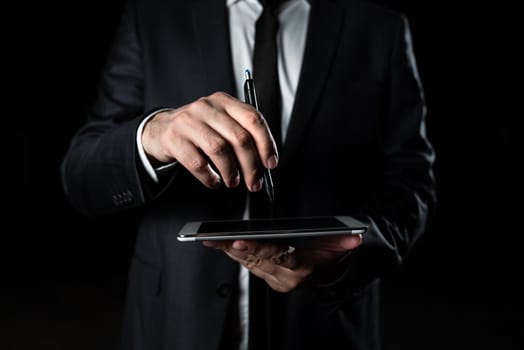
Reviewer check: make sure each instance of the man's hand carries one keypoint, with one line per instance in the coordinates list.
(231, 134)
(281, 266)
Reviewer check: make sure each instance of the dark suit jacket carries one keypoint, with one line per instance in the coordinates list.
(356, 145)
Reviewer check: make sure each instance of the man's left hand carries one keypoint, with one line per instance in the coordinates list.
(283, 267)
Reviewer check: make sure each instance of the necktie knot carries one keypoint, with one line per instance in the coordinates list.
(270, 3)
(271, 6)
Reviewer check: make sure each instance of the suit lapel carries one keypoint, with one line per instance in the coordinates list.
(325, 24)
(212, 34)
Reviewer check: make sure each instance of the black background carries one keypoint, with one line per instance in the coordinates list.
(63, 275)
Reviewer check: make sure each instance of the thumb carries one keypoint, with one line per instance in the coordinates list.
(349, 242)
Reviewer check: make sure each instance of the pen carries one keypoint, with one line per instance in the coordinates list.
(250, 97)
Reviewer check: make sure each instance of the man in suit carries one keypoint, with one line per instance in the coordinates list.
(169, 137)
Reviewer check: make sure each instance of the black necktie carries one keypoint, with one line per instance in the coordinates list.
(265, 74)
(265, 68)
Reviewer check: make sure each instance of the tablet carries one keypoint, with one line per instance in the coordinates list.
(270, 228)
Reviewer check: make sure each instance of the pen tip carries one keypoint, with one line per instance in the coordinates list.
(248, 74)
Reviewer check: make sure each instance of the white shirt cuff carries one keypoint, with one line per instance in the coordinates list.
(152, 172)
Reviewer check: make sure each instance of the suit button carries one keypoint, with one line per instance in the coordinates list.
(116, 200)
(224, 290)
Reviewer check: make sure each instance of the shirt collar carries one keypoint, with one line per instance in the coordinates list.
(232, 2)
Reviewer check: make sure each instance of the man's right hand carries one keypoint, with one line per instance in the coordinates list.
(219, 128)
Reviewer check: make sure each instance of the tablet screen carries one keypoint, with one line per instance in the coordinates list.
(281, 224)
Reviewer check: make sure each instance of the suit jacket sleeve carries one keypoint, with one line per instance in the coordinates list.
(101, 172)
(399, 209)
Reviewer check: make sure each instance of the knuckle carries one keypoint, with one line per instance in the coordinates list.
(253, 261)
(249, 258)
(219, 95)
(242, 138)
(254, 118)
(186, 118)
(199, 104)
(184, 115)
(197, 164)
(217, 146)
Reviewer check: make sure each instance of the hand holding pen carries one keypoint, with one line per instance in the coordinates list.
(217, 138)
(250, 96)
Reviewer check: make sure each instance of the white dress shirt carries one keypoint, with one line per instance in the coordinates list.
(293, 22)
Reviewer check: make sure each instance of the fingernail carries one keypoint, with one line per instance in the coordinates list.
(239, 245)
(235, 181)
(272, 162)
(216, 182)
(257, 186)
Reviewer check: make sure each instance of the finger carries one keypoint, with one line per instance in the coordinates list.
(265, 256)
(227, 247)
(275, 254)
(281, 279)
(247, 260)
(185, 145)
(191, 158)
(243, 146)
(264, 249)
(350, 242)
(219, 152)
(221, 244)
(242, 255)
(286, 258)
(255, 264)
(254, 122)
